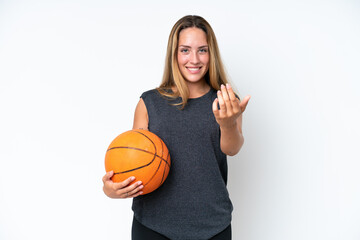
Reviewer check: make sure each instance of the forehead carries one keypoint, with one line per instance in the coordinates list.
(192, 36)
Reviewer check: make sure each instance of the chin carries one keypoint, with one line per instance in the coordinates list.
(194, 79)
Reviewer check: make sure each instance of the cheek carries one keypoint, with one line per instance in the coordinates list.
(206, 60)
(182, 59)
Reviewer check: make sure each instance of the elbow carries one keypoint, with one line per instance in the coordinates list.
(232, 153)
(233, 150)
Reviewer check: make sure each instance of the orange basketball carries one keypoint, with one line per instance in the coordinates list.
(141, 154)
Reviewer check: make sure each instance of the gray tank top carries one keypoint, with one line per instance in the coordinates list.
(193, 203)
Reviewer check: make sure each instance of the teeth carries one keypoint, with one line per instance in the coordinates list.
(194, 69)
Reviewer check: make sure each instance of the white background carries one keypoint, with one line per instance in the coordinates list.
(71, 73)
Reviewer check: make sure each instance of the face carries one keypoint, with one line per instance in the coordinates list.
(193, 54)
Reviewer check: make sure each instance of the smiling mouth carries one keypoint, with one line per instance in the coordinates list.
(194, 69)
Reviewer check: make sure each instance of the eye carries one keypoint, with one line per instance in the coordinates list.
(184, 50)
(203, 50)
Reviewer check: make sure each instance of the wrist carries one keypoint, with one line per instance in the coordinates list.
(229, 127)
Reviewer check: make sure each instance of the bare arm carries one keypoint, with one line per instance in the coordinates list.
(229, 118)
(127, 189)
(141, 119)
(231, 139)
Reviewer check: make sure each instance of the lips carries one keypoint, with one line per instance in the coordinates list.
(193, 69)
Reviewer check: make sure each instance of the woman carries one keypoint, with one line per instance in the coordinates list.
(198, 116)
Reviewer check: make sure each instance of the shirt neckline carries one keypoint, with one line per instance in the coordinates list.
(202, 96)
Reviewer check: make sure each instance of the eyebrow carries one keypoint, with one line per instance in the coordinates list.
(204, 46)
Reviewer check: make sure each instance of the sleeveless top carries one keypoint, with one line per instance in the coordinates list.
(193, 203)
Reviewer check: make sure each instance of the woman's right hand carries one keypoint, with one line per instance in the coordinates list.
(121, 189)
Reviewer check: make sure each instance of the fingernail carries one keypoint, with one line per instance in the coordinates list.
(139, 182)
(141, 193)
(228, 85)
(132, 178)
(219, 92)
(141, 187)
(222, 86)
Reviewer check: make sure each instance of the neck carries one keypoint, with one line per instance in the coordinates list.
(197, 89)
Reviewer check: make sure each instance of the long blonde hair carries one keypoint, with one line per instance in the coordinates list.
(172, 76)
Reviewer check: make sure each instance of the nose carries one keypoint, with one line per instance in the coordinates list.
(194, 57)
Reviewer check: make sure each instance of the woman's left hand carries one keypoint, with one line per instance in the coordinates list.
(230, 107)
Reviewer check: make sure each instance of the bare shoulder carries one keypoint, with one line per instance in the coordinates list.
(141, 119)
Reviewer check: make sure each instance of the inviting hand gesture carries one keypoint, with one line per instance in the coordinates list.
(230, 107)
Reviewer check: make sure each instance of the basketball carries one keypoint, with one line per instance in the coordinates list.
(141, 154)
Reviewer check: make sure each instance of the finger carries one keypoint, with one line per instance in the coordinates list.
(244, 102)
(224, 92)
(226, 97)
(221, 102)
(130, 190)
(231, 93)
(132, 187)
(123, 184)
(135, 191)
(107, 176)
(215, 107)
(137, 194)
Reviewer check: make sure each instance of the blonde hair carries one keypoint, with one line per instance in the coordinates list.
(172, 76)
